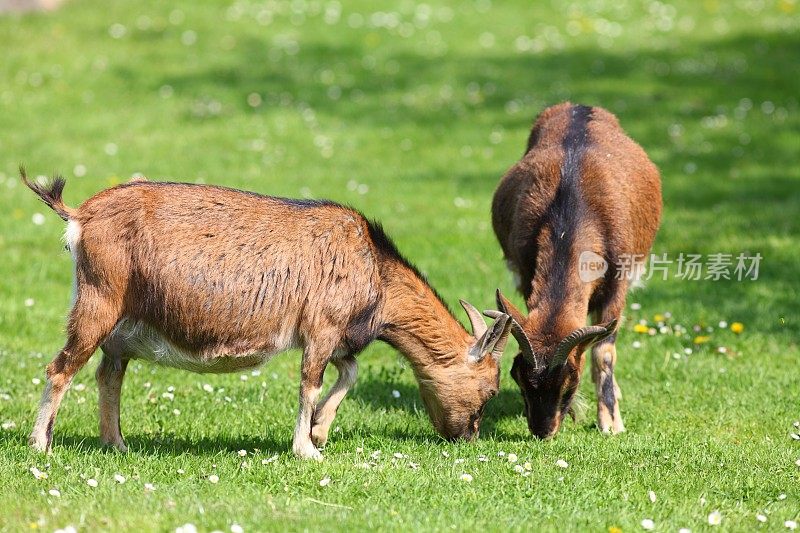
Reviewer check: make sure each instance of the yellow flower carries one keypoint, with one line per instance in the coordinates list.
(702, 339)
(737, 327)
(787, 6)
(659, 318)
(640, 328)
(614, 529)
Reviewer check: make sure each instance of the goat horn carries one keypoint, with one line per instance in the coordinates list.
(475, 319)
(586, 334)
(508, 308)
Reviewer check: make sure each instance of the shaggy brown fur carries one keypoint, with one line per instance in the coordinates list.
(582, 186)
(212, 279)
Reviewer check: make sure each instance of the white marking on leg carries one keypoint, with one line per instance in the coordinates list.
(39, 439)
(302, 445)
(603, 356)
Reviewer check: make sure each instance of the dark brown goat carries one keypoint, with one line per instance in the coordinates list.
(212, 279)
(584, 196)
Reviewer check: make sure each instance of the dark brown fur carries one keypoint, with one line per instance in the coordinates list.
(212, 279)
(582, 185)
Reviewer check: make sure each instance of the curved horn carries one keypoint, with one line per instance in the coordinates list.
(475, 319)
(519, 335)
(588, 334)
(508, 308)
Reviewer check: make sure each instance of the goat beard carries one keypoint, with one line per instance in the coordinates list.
(578, 408)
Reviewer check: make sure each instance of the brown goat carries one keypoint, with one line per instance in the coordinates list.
(211, 279)
(584, 194)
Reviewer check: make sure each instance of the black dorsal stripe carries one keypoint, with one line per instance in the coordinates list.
(568, 207)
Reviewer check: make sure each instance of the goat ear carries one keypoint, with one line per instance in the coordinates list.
(588, 336)
(475, 319)
(522, 339)
(508, 308)
(493, 341)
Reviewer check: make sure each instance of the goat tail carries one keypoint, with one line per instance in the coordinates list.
(50, 193)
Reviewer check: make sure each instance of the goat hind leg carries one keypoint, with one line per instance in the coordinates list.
(109, 375)
(91, 320)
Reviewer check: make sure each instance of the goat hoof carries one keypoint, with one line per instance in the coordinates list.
(308, 452)
(319, 436)
(117, 444)
(612, 428)
(39, 443)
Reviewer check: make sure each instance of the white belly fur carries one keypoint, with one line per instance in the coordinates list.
(146, 343)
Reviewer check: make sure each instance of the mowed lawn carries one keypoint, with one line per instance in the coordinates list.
(411, 112)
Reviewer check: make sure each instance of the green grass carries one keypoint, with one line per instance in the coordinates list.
(413, 124)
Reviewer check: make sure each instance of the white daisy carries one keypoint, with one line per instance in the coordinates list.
(38, 474)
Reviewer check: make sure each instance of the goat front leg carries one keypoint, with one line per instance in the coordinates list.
(604, 358)
(315, 359)
(326, 411)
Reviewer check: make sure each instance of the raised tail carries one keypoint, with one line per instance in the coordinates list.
(50, 194)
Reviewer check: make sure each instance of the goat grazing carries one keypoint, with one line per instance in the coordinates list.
(583, 195)
(211, 279)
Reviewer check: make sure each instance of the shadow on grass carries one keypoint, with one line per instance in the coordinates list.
(374, 394)
(370, 393)
(507, 405)
(162, 444)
